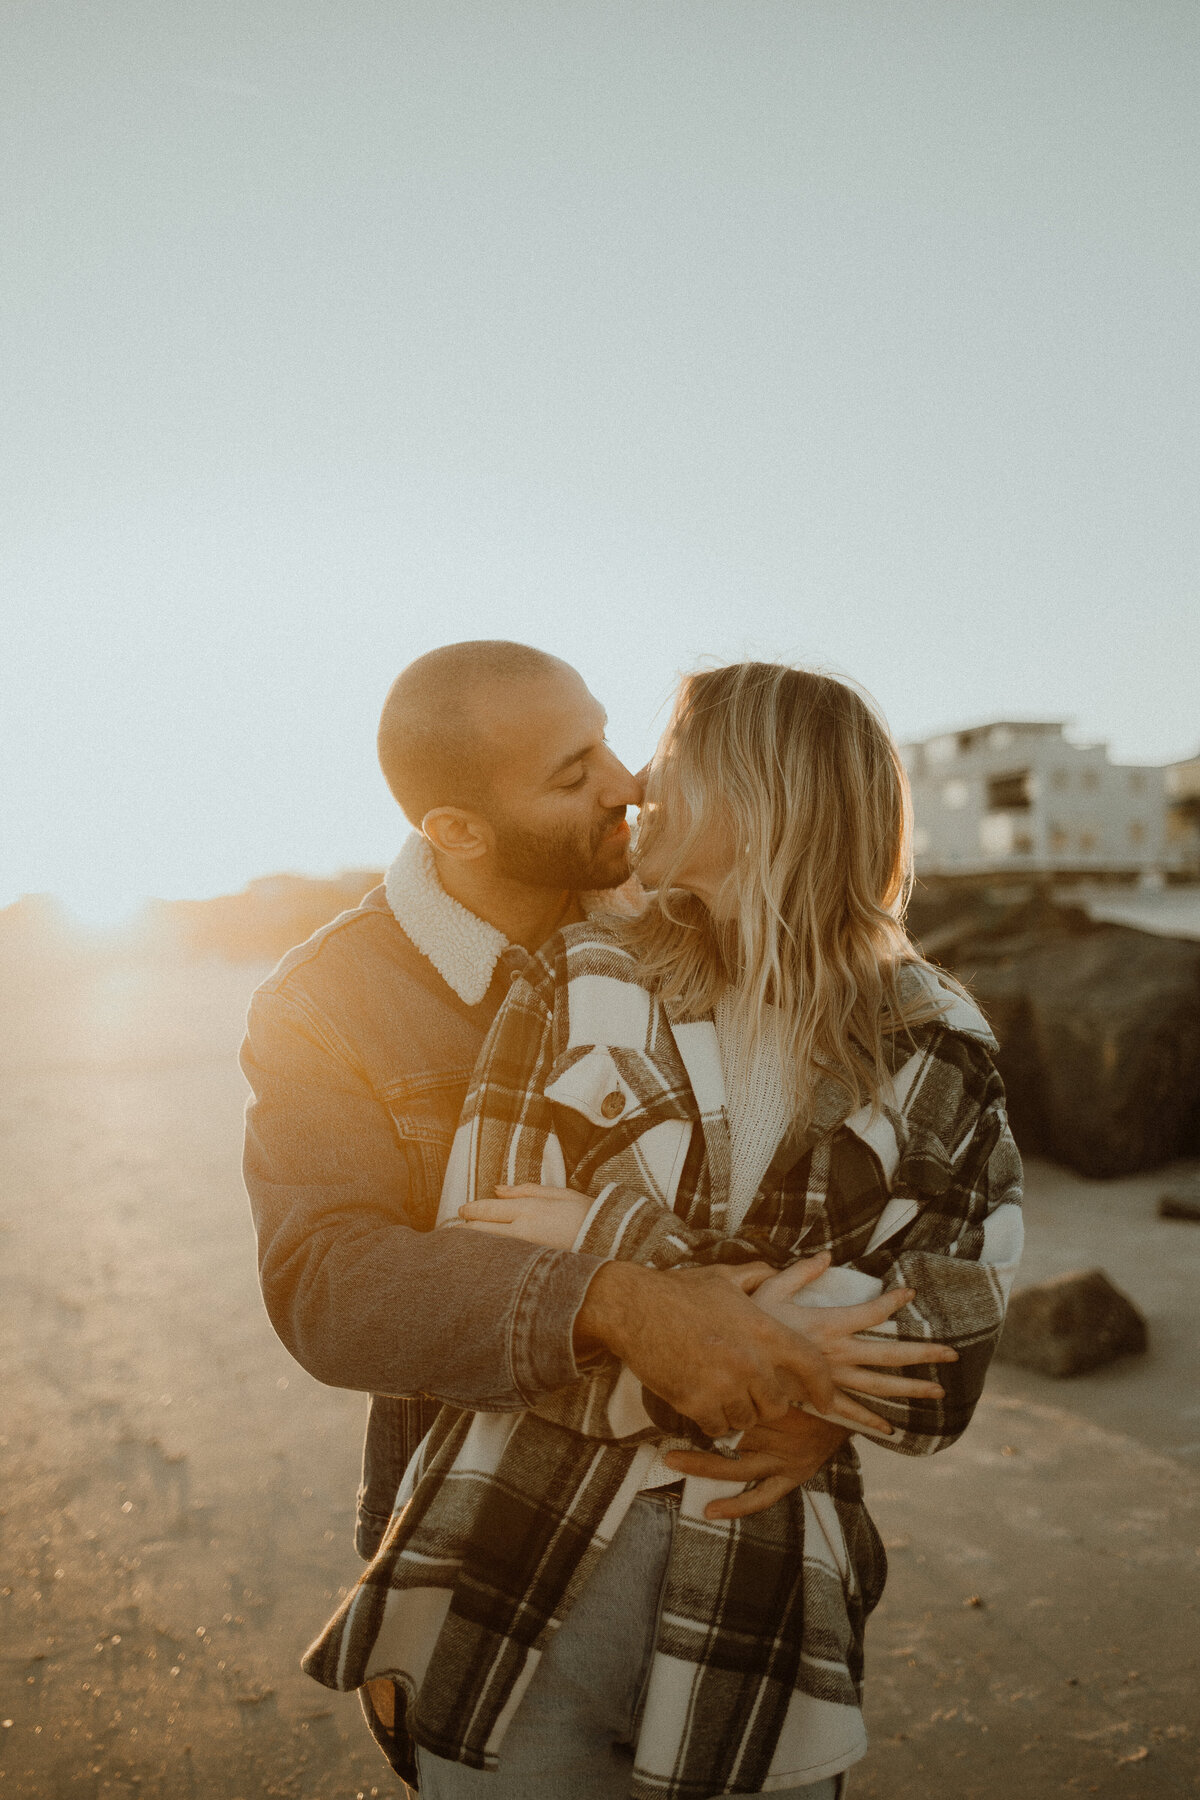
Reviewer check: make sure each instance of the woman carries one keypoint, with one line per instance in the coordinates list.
(758, 1069)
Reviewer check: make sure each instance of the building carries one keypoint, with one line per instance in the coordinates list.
(1183, 814)
(1017, 796)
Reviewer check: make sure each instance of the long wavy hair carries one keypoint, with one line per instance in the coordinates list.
(798, 773)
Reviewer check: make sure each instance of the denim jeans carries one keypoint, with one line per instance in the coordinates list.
(574, 1733)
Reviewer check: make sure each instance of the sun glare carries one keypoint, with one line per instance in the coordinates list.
(101, 912)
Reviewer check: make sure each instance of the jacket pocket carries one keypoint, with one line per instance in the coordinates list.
(608, 1086)
(594, 1087)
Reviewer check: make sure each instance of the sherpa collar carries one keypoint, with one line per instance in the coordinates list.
(463, 948)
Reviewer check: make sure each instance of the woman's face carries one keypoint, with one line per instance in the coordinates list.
(708, 871)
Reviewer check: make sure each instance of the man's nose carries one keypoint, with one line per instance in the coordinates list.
(621, 788)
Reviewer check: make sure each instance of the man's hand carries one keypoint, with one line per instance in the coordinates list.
(695, 1337)
(775, 1458)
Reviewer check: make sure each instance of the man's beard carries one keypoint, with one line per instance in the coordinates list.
(562, 858)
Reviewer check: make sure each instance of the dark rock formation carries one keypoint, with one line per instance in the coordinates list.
(1099, 1025)
(1069, 1325)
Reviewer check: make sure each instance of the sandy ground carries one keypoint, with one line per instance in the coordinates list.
(178, 1495)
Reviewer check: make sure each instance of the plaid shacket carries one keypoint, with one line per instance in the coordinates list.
(586, 1079)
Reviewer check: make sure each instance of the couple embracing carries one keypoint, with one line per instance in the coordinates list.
(631, 1200)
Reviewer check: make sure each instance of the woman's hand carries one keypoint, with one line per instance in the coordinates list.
(858, 1363)
(541, 1215)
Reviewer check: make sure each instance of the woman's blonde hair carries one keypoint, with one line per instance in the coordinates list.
(799, 774)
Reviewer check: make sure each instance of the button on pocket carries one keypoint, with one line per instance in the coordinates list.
(612, 1105)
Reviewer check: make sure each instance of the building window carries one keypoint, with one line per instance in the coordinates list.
(956, 794)
(1022, 843)
(1091, 778)
(996, 834)
(1010, 793)
(1137, 832)
(1060, 778)
(1137, 781)
(1087, 842)
(1060, 840)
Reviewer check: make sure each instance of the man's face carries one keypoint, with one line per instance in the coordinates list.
(558, 794)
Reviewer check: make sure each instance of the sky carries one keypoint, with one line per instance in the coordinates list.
(862, 335)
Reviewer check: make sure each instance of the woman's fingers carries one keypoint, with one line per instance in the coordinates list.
(872, 1381)
(529, 1190)
(844, 1407)
(887, 1353)
(874, 1312)
(789, 1281)
(749, 1277)
(495, 1212)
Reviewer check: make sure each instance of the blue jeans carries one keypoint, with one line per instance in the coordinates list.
(574, 1733)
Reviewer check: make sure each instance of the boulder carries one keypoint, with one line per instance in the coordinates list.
(1181, 1199)
(1071, 1324)
(1099, 1026)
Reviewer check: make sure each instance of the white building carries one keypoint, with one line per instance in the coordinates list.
(1017, 796)
(1183, 813)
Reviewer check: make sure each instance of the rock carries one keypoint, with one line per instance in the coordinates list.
(1071, 1324)
(1181, 1200)
(1099, 1026)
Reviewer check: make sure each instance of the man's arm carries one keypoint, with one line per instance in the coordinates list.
(360, 1297)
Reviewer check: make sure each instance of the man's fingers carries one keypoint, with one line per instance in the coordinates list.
(771, 1400)
(496, 1212)
(754, 1500)
(808, 1369)
(715, 1467)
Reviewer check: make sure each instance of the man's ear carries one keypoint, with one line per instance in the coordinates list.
(455, 832)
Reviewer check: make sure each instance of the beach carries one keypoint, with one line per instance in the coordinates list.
(179, 1494)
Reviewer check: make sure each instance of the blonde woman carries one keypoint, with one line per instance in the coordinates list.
(758, 1070)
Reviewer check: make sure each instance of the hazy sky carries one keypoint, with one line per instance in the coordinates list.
(857, 333)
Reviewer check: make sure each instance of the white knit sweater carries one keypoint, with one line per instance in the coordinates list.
(756, 1105)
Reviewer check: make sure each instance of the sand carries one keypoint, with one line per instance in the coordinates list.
(178, 1495)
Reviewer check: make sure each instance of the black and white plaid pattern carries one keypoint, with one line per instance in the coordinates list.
(588, 1079)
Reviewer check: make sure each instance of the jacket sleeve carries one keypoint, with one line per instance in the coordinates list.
(360, 1297)
(960, 1251)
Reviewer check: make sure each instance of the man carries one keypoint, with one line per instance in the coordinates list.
(359, 1049)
